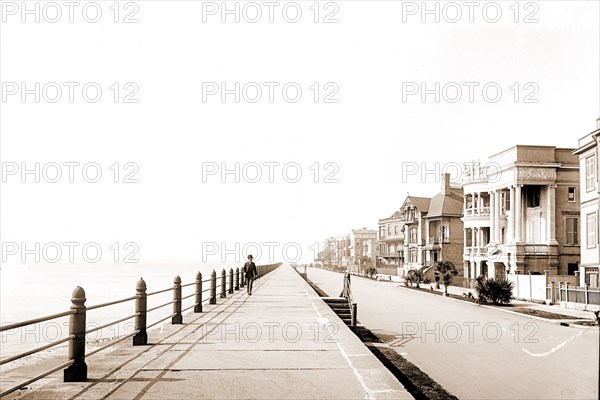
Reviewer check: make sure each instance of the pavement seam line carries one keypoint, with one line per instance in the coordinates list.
(369, 392)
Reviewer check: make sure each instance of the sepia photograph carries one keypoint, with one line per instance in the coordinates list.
(308, 199)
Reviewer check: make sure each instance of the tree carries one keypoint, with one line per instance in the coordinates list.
(446, 271)
(416, 276)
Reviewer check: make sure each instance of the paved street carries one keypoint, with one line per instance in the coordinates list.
(476, 352)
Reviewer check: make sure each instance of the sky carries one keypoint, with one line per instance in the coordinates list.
(217, 139)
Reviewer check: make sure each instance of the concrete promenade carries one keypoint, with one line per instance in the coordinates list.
(282, 342)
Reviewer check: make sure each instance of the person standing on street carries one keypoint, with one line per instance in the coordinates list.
(250, 272)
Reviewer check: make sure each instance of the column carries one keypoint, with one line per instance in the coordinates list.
(465, 204)
(492, 217)
(497, 216)
(511, 221)
(518, 211)
(478, 203)
(551, 214)
(473, 238)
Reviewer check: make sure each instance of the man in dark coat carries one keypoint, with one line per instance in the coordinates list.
(250, 272)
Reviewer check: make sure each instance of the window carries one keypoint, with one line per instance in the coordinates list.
(571, 231)
(395, 229)
(571, 194)
(533, 196)
(591, 276)
(591, 230)
(413, 235)
(413, 255)
(572, 268)
(590, 173)
(445, 234)
(505, 201)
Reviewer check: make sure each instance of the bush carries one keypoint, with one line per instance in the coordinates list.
(371, 271)
(496, 291)
(415, 276)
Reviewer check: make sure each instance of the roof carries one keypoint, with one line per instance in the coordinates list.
(422, 203)
(449, 204)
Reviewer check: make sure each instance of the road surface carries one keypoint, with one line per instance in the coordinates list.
(476, 352)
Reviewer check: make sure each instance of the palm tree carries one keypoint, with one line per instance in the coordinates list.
(416, 276)
(446, 270)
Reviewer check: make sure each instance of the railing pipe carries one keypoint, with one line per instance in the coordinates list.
(35, 321)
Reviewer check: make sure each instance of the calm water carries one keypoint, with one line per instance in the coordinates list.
(33, 291)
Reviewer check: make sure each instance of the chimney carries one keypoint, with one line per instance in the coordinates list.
(446, 184)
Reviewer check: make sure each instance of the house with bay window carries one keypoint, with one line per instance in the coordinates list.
(587, 151)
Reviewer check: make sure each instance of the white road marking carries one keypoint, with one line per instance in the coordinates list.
(554, 349)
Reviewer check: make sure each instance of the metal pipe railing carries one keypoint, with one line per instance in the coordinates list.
(36, 350)
(75, 370)
(110, 303)
(36, 378)
(35, 321)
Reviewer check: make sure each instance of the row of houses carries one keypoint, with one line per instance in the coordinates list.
(527, 210)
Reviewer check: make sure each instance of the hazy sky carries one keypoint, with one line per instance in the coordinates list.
(369, 122)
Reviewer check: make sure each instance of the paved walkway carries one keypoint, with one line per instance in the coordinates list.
(281, 342)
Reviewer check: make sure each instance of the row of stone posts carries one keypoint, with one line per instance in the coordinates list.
(77, 371)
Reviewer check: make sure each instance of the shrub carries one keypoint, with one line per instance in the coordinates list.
(496, 291)
(415, 276)
(371, 271)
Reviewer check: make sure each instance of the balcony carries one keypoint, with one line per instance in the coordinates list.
(390, 255)
(475, 251)
(536, 249)
(477, 212)
(438, 239)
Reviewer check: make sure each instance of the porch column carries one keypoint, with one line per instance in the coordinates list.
(518, 217)
(497, 216)
(511, 221)
(551, 214)
(493, 217)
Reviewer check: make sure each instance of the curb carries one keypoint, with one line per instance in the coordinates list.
(552, 321)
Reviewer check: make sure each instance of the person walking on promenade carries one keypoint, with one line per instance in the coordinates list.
(250, 271)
